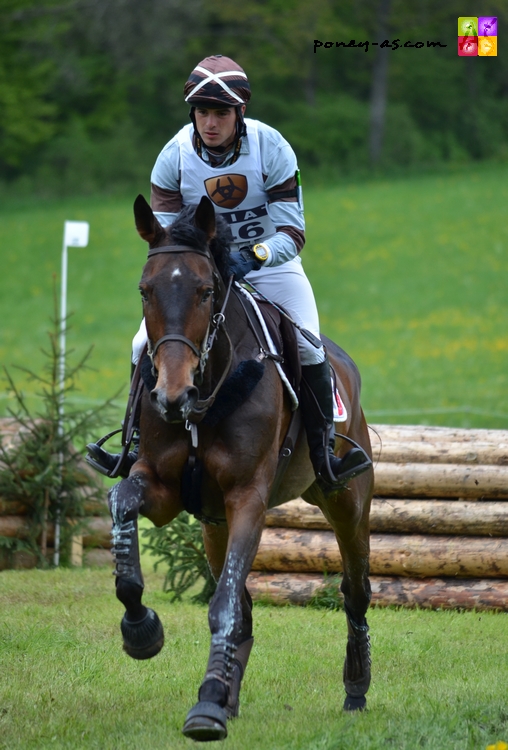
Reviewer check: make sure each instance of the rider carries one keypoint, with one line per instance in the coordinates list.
(251, 175)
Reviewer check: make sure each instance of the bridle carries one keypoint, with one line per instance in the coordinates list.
(215, 323)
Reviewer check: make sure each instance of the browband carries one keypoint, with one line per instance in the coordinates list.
(177, 249)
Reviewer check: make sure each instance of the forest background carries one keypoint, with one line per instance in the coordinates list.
(90, 90)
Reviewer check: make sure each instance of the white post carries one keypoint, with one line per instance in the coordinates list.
(75, 235)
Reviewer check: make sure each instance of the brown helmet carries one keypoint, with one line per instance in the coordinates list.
(217, 81)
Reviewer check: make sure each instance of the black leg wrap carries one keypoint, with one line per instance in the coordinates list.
(356, 665)
(143, 635)
(239, 666)
(207, 720)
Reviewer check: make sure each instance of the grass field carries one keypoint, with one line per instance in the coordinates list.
(439, 678)
(409, 274)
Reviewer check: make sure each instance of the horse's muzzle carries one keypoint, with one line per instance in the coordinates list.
(177, 410)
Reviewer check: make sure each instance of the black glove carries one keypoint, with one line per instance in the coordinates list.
(240, 263)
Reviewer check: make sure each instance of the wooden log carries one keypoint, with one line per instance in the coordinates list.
(91, 506)
(97, 558)
(395, 516)
(17, 560)
(12, 507)
(96, 532)
(424, 433)
(299, 551)
(429, 593)
(407, 451)
(440, 480)
(15, 526)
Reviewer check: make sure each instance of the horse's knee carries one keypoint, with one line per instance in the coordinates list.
(125, 499)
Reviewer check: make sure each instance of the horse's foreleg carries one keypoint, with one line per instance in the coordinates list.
(216, 541)
(230, 623)
(143, 635)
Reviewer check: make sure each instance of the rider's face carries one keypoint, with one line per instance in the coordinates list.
(216, 126)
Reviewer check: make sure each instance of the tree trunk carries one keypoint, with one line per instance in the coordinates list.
(298, 551)
(440, 480)
(430, 593)
(424, 433)
(394, 516)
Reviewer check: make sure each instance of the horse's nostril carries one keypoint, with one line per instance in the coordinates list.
(192, 394)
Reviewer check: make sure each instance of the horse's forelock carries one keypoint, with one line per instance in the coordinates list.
(184, 232)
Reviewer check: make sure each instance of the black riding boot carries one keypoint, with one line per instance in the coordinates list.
(317, 411)
(105, 462)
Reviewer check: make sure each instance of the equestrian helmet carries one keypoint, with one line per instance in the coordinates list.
(217, 81)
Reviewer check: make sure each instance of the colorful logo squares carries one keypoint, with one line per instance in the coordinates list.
(477, 36)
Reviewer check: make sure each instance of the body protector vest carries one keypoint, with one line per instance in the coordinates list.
(237, 191)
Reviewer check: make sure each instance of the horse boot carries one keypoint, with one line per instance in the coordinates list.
(317, 411)
(357, 664)
(240, 660)
(218, 697)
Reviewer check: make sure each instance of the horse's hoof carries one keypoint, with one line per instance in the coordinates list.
(143, 639)
(352, 703)
(206, 722)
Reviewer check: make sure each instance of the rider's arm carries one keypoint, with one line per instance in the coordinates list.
(279, 167)
(166, 198)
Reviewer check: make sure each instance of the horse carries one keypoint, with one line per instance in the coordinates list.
(199, 336)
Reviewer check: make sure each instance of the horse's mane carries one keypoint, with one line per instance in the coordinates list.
(184, 232)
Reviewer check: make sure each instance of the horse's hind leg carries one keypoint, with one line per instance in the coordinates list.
(143, 635)
(348, 513)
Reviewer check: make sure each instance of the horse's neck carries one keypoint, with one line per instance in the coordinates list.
(241, 337)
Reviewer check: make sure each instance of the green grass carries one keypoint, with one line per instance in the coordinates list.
(439, 678)
(409, 274)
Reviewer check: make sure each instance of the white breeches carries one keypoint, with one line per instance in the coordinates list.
(286, 285)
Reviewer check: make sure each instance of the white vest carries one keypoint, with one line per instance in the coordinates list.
(237, 191)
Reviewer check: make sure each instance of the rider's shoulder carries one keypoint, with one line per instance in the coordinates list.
(266, 133)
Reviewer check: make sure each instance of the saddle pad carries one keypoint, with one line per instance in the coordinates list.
(271, 346)
(339, 409)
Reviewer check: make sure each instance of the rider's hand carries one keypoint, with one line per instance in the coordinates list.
(241, 263)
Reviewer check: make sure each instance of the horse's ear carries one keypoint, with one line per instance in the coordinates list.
(204, 218)
(147, 225)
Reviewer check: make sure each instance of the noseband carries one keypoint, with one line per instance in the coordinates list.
(215, 322)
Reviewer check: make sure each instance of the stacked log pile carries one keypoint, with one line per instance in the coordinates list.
(439, 525)
(90, 546)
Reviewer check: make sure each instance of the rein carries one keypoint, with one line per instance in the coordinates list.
(216, 321)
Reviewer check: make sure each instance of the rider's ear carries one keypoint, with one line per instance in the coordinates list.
(147, 225)
(204, 218)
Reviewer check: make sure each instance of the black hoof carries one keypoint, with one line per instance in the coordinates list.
(353, 703)
(143, 639)
(206, 722)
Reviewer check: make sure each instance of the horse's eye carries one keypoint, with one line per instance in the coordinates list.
(143, 295)
(206, 295)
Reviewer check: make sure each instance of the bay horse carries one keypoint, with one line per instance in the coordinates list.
(198, 335)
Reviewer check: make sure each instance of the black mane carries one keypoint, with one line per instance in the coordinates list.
(184, 232)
